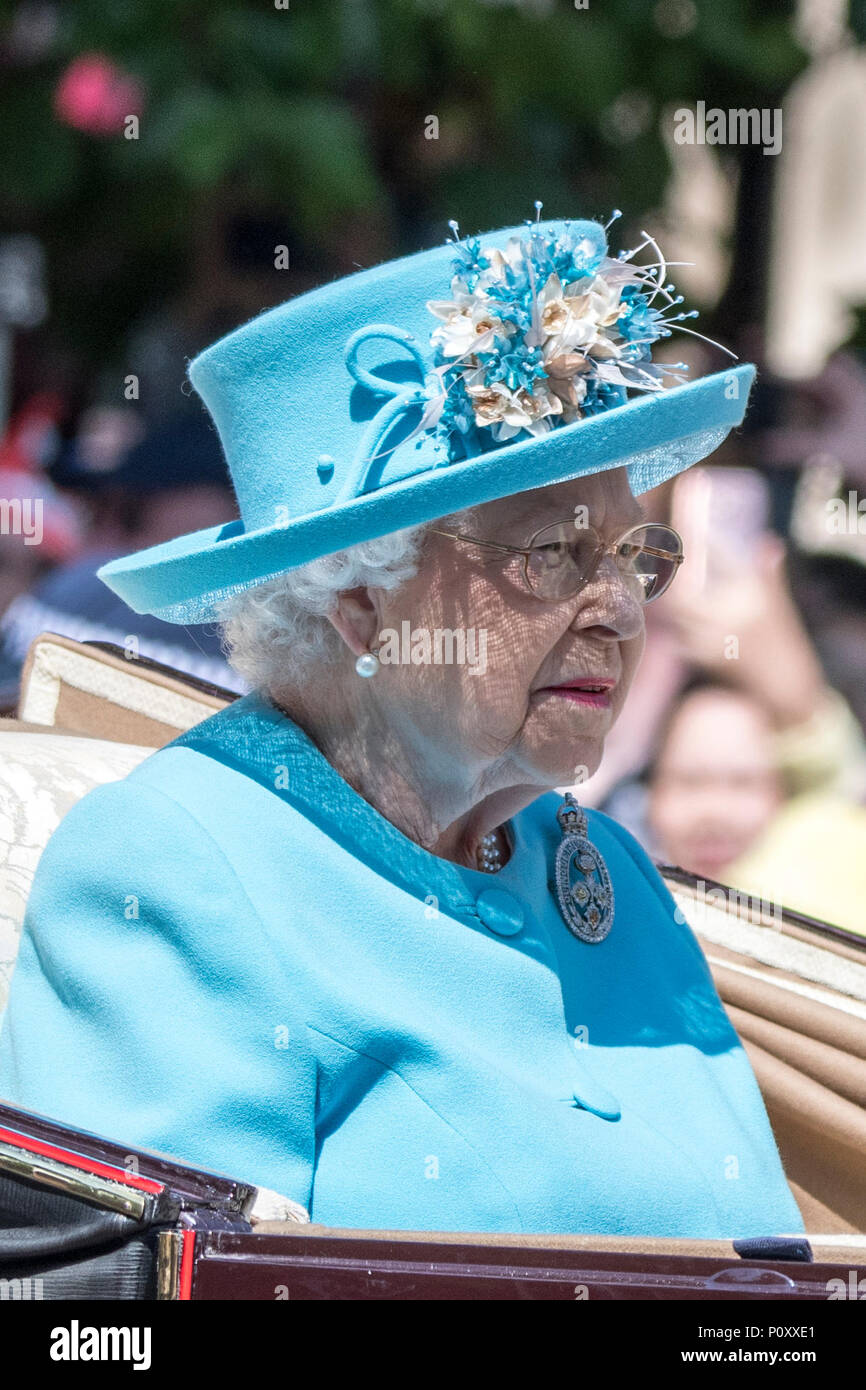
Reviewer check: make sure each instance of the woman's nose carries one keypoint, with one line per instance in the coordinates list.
(610, 602)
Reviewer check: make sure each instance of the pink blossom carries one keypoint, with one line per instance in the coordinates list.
(96, 96)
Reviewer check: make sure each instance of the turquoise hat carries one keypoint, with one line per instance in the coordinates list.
(485, 367)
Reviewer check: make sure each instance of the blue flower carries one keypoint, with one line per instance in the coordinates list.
(518, 313)
(600, 395)
(640, 321)
(470, 261)
(576, 256)
(514, 285)
(515, 364)
(457, 418)
(457, 412)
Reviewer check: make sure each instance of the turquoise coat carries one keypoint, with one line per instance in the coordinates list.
(231, 957)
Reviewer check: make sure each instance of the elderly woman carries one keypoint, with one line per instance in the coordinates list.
(342, 939)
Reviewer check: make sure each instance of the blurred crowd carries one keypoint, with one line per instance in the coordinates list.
(112, 483)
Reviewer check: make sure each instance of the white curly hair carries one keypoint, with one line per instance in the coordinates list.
(280, 628)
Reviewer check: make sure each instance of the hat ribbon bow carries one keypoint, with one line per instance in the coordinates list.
(429, 395)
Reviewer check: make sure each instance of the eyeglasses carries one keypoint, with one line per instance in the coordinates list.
(561, 559)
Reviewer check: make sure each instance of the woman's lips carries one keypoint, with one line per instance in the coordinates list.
(595, 694)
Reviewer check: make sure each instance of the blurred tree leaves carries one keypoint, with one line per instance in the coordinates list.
(319, 109)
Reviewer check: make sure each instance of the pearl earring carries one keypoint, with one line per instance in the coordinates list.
(367, 664)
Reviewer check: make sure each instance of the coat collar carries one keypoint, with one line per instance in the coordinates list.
(259, 740)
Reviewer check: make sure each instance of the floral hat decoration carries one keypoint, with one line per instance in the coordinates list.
(374, 403)
(548, 331)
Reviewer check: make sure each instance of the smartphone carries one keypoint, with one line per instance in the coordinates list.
(721, 514)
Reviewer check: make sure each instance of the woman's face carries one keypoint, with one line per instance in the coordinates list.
(715, 789)
(510, 713)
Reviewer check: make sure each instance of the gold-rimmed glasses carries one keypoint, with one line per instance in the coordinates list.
(562, 558)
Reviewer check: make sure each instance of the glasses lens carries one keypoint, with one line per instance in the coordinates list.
(649, 556)
(564, 556)
(561, 558)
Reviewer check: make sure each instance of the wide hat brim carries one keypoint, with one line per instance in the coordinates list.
(654, 437)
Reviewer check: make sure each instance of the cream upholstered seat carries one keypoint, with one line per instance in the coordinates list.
(87, 715)
(42, 775)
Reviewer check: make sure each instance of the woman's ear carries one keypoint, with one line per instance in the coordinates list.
(356, 618)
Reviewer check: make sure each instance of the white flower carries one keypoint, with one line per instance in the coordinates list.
(501, 261)
(604, 301)
(508, 412)
(553, 310)
(468, 324)
(573, 317)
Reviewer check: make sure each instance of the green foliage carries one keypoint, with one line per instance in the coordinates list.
(319, 109)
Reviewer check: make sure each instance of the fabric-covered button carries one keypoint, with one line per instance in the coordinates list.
(499, 912)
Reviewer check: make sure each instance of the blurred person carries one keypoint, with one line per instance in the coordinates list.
(714, 787)
(39, 527)
(735, 618)
(816, 447)
(38, 531)
(30, 438)
(143, 490)
(746, 630)
(831, 594)
(749, 755)
(721, 805)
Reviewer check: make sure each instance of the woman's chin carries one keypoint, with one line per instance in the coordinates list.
(567, 750)
(564, 765)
